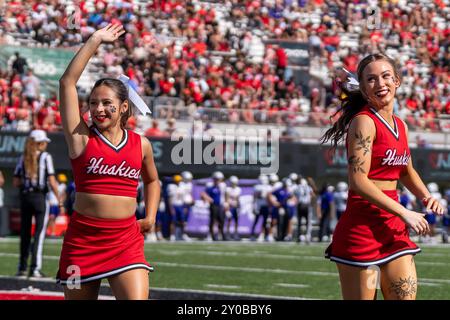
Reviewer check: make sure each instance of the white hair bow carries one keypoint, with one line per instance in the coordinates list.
(134, 96)
(352, 83)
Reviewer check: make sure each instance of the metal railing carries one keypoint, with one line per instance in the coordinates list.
(435, 132)
(165, 108)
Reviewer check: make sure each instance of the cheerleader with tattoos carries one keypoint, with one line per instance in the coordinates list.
(372, 235)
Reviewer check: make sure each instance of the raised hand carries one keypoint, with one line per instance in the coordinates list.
(110, 33)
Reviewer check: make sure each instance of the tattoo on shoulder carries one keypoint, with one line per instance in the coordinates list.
(362, 143)
(404, 287)
(356, 164)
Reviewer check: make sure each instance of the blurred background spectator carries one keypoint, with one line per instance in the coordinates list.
(154, 131)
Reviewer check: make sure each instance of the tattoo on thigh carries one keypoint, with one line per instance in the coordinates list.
(404, 287)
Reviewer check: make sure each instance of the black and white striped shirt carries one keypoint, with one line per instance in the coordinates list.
(45, 169)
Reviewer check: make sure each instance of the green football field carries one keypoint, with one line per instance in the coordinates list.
(268, 269)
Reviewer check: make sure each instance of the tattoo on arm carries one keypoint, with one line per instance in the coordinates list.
(404, 287)
(356, 164)
(362, 143)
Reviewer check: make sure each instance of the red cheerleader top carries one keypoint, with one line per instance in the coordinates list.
(390, 151)
(107, 169)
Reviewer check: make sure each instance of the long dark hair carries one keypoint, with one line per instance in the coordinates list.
(121, 92)
(352, 101)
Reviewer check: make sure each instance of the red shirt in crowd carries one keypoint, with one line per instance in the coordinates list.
(331, 40)
(199, 48)
(282, 58)
(154, 132)
(376, 36)
(411, 104)
(265, 19)
(351, 62)
(165, 86)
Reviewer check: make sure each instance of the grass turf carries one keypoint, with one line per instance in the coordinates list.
(275, 269)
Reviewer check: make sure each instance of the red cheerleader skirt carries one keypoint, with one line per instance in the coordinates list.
(95, 248)
(367, 235)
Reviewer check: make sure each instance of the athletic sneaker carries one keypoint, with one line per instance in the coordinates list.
(21, 274)
(186, 238)
(308, 238)
(151, 237)
(36, 274)
(444, 237)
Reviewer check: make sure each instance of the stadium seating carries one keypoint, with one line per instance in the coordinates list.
(213, 60)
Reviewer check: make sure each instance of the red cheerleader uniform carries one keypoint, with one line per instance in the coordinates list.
(95, 248)
(365, 234)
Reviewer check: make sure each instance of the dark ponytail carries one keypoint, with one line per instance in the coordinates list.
(352, 101)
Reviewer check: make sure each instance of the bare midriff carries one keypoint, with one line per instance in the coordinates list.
(385, 184)
(104, 206)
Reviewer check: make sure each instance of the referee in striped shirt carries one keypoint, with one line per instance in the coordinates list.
(33, 174)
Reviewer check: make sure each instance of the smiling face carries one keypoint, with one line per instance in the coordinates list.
(379, 83)
(105, 107)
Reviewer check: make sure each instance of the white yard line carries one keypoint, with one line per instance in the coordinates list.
(429, 284)
(236, 294)
(17, 240)
(446, 281)
(431, 246)
(292, 285)
(230, 268)
(34, 292)
(223, 286)
(271, 256)
(16, 255)
(212, 267)
(217, 253)
(238, 244)
(241, 244)
(237, 254)
(435, 254)
(243, 269)
(430, 263)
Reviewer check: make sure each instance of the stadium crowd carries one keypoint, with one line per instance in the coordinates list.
(211, 57)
